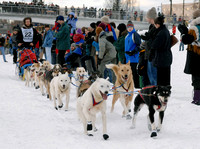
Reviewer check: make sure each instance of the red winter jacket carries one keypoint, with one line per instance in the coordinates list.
(78, 37)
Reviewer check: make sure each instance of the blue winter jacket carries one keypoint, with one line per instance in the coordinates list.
(48, 40)
(96, 45)
(132, 42)
(72, 21)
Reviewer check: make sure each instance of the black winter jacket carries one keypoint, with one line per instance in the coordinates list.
(161, 48)
(27, 44)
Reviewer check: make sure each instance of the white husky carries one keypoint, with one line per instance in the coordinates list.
(93, 101)
(80, 75)
(59, 87)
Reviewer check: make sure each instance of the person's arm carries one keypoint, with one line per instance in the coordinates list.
(62, 33)
(102, 48)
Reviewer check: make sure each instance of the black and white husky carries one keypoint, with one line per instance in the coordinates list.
(156, 98)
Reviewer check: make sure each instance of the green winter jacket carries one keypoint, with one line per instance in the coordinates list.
(63, 38)
(120, 47)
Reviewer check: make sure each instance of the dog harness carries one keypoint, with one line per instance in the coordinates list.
(94, 102)
(141, 95)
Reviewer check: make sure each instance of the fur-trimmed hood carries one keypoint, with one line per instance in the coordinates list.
(195, 21)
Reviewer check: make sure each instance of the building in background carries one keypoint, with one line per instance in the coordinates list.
(177, 10)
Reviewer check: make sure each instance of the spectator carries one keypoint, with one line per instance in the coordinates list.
(191, 38)
(107, 52)
(160, 53)
(116, 30)
(132, 43)
(174, 29)
(71, 20)
(62, 40)
(16, 29)
(2, 43)
(109, 28)
(119, 44)
(47, 42)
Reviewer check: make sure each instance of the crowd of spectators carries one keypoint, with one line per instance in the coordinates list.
(22, 7)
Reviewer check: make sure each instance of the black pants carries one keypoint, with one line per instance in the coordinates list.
(196, 82)
(14, 55)
(163, 76)
(135, 75)
(61, 57)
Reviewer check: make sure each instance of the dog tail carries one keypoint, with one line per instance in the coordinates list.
(114, 67)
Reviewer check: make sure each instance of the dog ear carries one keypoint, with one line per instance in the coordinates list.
(107, 78)
(128, 63)
(66, 73)
(59, 73)
(119, 63)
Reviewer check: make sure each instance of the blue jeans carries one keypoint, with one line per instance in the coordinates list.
(3, 53)
(181, 46)
(152, 73)
(48, 54)
(37, 52)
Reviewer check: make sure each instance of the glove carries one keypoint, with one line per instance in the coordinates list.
(99, 61)
(131, 53)
(89, 126)
(182, 29)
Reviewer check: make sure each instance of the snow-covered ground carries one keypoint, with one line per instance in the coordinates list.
(28, 120)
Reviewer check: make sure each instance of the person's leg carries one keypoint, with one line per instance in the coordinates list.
(14, 54)
(135, 75)
(163, 76)
(61, 57)
(152, 73)
(196, 85)
(48, 54)
(53, 58)
(3, 53)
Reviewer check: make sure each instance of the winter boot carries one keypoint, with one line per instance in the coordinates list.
(196, 98)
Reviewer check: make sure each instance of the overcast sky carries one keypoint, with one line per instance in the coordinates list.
(144, 4)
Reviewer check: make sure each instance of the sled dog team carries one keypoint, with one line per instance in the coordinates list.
(92, 93)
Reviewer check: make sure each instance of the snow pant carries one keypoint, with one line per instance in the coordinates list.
(152, 73)
(135, 75)
(196, 82)
(37, 52)
(2, 49)
(48, 54)
(53, 58)
(163, 76)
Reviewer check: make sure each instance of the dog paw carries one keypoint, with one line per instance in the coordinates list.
(90, 135)
(56, 108)
(47, 95)
(129, 110)
(95, 129)
(153, 134)
(158, 129)
(132, 127)
(89, 126)
(60, 106)
(37, 87)
(105, 136)
(128, 117)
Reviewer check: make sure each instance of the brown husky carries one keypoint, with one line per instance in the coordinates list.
(124, 84)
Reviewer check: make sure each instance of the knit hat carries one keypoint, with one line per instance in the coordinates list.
(93, 25)
(98, 30)
(79, 31)
(151, 14)
(129, 24)
(121, 27)
(47, 25)
(60, 18)
(105, 19)
(102, 25)
(196, 14)
(16, 28)
(160, 20)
